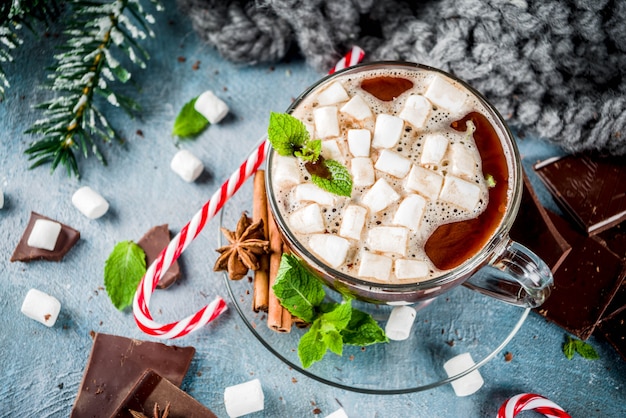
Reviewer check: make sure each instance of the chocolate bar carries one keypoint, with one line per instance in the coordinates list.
(152, 243)
(66, 240)
(115, 365)
(592, 190)
(613, 324)
(151, 390)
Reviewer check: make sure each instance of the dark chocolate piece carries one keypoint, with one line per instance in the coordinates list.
(66, 240)
(584, 284)
(114, 366)
(615, 239)
(613, 324)
(152, 243)
(534, 229)
(153, 389)
(592, 190)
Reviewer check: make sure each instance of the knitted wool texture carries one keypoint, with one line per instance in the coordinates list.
(554, 68)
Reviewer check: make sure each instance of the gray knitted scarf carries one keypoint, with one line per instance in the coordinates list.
(554, 68)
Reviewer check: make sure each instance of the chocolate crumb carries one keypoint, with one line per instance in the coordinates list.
(450, 343)
(317, 411)
(139, 132)
(47, 316)
(508, 356)
(92, 334)
(294, 380)
(181, 59)
(196, 65)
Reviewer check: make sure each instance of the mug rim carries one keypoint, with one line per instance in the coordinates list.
(489, 249)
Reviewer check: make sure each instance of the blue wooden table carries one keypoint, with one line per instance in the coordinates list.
(41, 368)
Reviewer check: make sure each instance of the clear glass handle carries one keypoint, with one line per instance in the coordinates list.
(517, 276)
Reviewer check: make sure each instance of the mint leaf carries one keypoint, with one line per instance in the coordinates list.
(310, 150)
(298, 290)
(286, 133)
(363, 330)
(189, 121)
(311, 347)
(325, 334)
(585, 350)
(569, 348)
(340, 182)
(123, 271)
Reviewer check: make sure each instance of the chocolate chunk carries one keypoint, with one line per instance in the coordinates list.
(613, 324)
(114, 366)
(584, 284)
(152, 389)
(615, 239)
(152, 243)
(534, 229)
(592, 190)
(66, 240)
(386, 88)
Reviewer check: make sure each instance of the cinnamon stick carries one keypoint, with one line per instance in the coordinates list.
(278, 318)
(260, 293)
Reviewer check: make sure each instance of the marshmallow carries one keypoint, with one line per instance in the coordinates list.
(444, 94)
(363, 173)
(434, 148)
(326, 121)
(331, 151)
(41, 307)
(359, 141)
(353, 222)
(467, 384)
(379, 196)
(44, 234)
(340, 413)
(411, 269)
(244, 398)
(424, 181)
(392, 163)
(387, 131)
(186, 165)
(375, 266)
(211, 107)
(388, 239)
(309, 192)
(333, 94)
(307, 220)
(416, 110)
(286, 171)
(460, 192)
(400, 322)
(89, 202)
(357, 108)
(461, 159)
(410, 212)
(330, 248)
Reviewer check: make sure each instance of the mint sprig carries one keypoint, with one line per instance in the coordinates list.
(585, 350)
(123, 271)
(189, 122)
(332, 324)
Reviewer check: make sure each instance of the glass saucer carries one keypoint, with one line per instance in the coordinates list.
(461, 321)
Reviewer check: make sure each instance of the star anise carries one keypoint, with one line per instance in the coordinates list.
(245, 246)
(156, 412)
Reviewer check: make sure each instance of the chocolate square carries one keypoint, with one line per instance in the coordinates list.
(66, 240)
(590, 189)
(613, 324)
(152, 243)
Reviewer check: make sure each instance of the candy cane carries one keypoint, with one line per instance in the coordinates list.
(531, 401)
(189, 232)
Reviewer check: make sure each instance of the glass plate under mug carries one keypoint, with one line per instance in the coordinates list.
(460, 321)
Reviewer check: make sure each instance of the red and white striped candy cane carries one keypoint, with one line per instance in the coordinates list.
(189, 232)
(531, 401)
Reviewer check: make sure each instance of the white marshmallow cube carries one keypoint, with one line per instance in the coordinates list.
(44, 234)
(326, 121)
(411, 269)
(244, 398)
(41, 307)
(286, 171)
(358, 108)
(433, 149)
(424, 181)
(392, 163)
(340, 413)
(459, 192)
(400, 322)
(211, 107)
(186, 165)
(375, 266)
(89, 202)
(353, 222)
(379, 196)
(468, 384)
(388, 239)
(307, 220)
(359, 141)
(330, 248)
(462, 162)
(416, 110)
(387, 131)
(309, 192)
(362, 170)
(331, 151)
(333, 94)
(444, 94)
(410, 211)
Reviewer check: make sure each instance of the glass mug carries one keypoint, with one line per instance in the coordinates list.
(498, 267)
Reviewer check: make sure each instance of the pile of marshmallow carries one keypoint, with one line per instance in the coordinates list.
(462, 185)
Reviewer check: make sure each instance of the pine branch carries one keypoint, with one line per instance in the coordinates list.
(87, 67)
